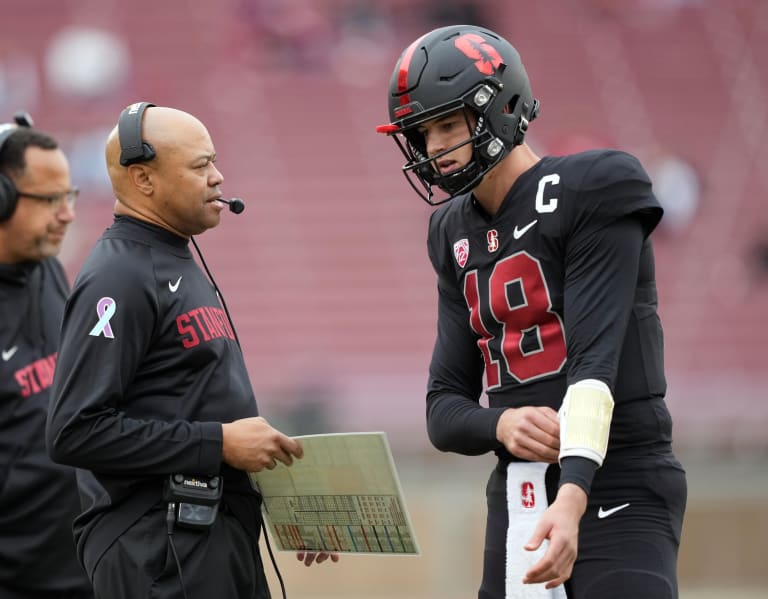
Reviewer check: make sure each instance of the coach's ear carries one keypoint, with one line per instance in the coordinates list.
(140, 176)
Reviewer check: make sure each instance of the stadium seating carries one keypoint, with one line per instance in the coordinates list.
(326, 272)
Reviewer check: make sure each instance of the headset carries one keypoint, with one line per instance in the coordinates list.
(133, 149)
(8, 194)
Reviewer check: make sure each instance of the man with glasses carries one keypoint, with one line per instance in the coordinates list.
(38, 499)
(56, 200)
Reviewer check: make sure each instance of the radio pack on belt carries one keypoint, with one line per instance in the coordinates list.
(195, 498)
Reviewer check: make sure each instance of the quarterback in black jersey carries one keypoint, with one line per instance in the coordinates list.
(151, 381)
(547, 298)
(38, 498)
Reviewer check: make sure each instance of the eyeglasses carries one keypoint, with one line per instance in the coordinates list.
(54, 200)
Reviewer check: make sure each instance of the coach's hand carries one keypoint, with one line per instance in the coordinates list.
(251, 444)
(308, 557)
(530, 433)
(559, 524)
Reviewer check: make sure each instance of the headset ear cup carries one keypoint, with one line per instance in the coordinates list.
(8, 197)
(148, 150)
(133, 148)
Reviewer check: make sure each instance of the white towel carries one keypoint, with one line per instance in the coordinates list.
(526, 502)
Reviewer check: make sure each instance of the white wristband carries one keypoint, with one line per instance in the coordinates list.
(585, 420)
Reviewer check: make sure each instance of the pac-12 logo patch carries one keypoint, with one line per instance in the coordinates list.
(527, 496)
(461, 251)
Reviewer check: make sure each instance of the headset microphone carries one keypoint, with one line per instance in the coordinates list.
(236, 205)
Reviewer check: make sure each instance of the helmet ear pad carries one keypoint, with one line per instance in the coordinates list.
(8, 198)
(526, 113)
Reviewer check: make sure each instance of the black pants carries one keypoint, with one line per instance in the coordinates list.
(222, 561)
(629, 554)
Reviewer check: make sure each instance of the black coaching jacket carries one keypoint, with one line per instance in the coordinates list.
(149, 368)
(38, 499)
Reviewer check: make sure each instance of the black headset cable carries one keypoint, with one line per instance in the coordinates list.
(226, 310)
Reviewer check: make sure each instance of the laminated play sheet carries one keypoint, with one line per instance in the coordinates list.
(344, 496)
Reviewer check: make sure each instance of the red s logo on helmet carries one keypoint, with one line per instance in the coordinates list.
(487, 58)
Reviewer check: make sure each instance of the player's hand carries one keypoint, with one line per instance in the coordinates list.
(530, 433)
(559, 524)
(251, 444)
(308, 557)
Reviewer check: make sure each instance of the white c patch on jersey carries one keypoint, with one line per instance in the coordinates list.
(549, 205)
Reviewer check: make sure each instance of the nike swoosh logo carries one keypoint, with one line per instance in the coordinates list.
(174, 286)
(8, 353)
(518, 233)
(601, 513)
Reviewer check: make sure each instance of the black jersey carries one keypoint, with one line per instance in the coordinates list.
(557, 287)
(148, 369)
(38, 499)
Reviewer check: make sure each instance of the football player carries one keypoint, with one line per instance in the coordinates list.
(547, 299)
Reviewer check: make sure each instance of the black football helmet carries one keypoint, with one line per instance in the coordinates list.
(461, 67)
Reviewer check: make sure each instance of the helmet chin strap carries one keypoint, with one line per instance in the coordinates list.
(462, 181)
(484, 158)
(452, 190)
